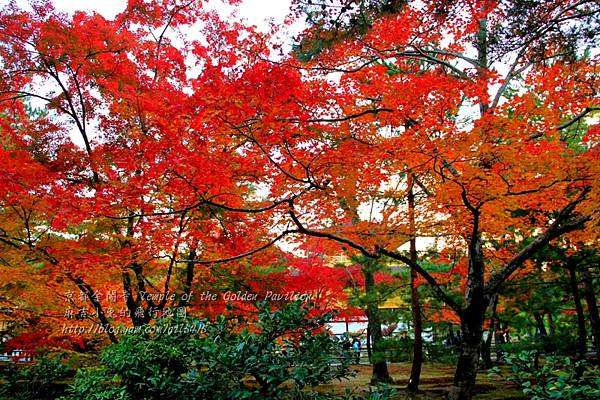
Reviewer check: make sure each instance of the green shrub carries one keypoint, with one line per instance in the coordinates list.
(97, 383)
(552, 344)
(556, 378)
(35, 380)
(400, 349)
(396, 349)
(438, 352)
(284, 352)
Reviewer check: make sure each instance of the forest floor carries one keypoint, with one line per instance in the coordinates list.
(436, 380)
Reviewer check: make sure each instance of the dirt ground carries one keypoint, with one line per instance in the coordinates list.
(436, 379)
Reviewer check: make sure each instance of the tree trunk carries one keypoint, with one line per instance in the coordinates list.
(539, 322)
(189, 278)
(500, 337)
(380, 370)
(471, 328)
(590, 298)
(579, 308)
(487, 345)
(417, 361)
(369, 348)
(472, 315)
(471, 324)
(551, 326)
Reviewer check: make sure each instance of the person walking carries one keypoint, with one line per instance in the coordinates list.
(356, 345)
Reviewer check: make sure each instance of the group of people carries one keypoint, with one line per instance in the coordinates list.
(355, 346)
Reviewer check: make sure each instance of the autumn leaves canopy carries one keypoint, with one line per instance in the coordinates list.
(135, 149)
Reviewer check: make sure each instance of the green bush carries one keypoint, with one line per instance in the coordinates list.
(400, 349)
(277, 357)
(396, 349)
(552, 344)
(556, 378)
(437, 351)
(35, 380)
(97, 383)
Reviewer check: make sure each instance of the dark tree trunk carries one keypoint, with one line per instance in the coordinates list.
(189, 278)
(541, 329)
(380, 370)
(131, 303)
(137, 313)
(472, 314)
(579, 308)
(487, 344)
(539, 322)
(500, 337)
(369, 349)
(590, 298)
(417, 361)
(550, 320)
(471, 328)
